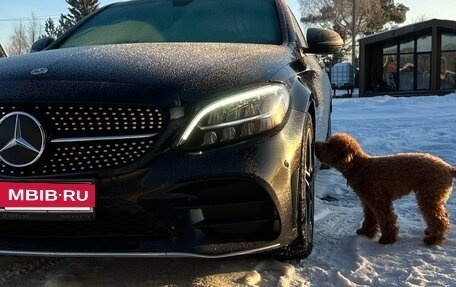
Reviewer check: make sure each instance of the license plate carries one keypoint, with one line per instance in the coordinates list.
(47, 197)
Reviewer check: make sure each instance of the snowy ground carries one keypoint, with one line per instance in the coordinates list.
(383, 125)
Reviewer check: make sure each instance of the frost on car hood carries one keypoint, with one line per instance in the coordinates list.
(189, 69)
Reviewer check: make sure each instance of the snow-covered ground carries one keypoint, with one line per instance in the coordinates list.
(383, 125)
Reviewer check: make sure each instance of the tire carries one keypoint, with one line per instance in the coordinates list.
(328, 135)
(301, 246)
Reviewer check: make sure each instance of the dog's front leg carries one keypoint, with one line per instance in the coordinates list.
(387, 219)
(369, 227)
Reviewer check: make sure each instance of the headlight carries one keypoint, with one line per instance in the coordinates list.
(238, 116)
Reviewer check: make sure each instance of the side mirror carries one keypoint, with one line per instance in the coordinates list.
(41, 44)
(323, 41)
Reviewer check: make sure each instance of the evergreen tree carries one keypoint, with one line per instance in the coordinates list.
(51, 29)
(78, 9)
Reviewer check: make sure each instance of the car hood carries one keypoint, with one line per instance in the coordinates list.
(188, 71)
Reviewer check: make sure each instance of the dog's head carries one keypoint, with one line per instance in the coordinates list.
(339, 151)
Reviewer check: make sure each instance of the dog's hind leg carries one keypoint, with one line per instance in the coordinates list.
(387, 219)
(369, 227)
(435, 215)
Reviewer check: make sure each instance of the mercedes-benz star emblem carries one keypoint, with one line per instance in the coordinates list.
(38, 71)
(22, 139)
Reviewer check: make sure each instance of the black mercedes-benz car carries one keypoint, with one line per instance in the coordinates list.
(165, 128)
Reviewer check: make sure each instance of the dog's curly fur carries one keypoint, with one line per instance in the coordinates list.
(378, 180)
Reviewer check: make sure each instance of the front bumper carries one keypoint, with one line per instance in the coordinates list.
(231, 200)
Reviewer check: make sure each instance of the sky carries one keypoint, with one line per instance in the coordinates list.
(13, 12)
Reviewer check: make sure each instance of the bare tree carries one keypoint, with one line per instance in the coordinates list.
(34, 30)
(18, 40)
(370, 16)
(23, 36)
(420, 18)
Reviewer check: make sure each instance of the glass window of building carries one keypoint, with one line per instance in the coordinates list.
(390, 67)
(423, 62)
(407, 65)
(423, 71)
(407, 47)
(390, 49)
(424, 44)
(447, 76)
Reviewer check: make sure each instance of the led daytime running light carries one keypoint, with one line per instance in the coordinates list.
(276, 94)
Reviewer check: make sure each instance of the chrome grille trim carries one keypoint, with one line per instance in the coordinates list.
(107, 138)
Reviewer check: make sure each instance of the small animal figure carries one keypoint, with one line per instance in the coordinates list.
(379, 180)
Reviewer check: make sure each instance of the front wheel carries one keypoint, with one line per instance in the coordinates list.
(302, 245)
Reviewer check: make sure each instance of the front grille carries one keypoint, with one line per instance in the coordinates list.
(71, 120)
(88, 137)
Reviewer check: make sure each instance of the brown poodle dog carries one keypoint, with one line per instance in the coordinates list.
(379, 180)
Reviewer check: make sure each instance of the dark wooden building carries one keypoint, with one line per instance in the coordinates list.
(414, 59)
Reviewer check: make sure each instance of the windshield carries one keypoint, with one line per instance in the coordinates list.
(231, 21)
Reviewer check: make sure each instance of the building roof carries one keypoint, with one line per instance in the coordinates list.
(416, 28)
